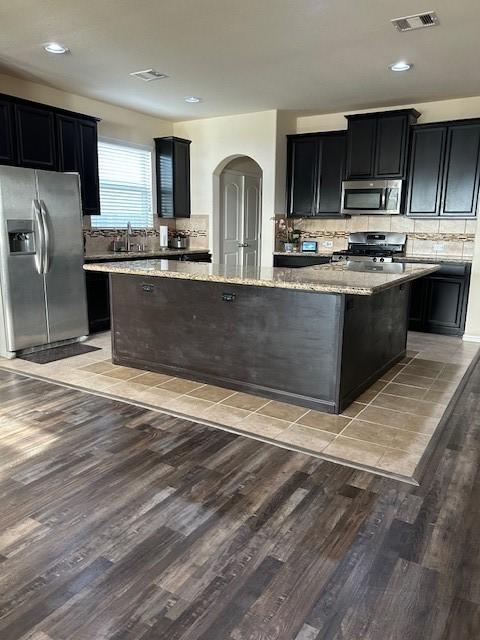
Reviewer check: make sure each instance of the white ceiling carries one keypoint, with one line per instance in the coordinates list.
(244, 55)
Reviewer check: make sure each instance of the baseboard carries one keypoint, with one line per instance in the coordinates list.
(469, 338)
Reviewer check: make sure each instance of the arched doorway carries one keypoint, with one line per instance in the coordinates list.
(237, 216)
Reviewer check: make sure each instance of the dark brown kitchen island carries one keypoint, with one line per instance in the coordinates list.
(316, 337)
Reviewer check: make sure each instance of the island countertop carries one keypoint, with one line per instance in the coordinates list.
(363, 279)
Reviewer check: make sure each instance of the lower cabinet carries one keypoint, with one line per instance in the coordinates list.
(438, 303)
(98, 291)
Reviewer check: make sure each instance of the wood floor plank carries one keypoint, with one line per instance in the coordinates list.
(119, 523)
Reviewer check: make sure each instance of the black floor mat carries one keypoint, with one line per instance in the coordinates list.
(58, 353)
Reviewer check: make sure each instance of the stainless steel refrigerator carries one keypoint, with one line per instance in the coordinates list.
(42, 282)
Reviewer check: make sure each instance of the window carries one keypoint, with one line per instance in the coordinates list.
(125, 186)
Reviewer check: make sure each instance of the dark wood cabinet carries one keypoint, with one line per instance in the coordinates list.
(444, 170)
(42, 137)
(77, 151)
(426, 169)
(461, 172)
(98, 301)
(377, 144)
(172, 163)
(315, 167)
(297, 261)
(7, 146)
(35, 134)
(438, 302)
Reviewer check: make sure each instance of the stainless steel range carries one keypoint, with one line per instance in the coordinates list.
(372, 246)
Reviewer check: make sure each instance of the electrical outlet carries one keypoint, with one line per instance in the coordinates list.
(328, 244)
(439, 246)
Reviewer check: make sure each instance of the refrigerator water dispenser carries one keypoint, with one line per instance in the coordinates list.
(21, 236)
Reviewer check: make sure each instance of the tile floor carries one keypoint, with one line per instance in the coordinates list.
(387, 429)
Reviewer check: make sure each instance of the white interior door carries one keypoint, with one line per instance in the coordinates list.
(240, 219)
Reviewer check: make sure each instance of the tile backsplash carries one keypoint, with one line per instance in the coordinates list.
(196, 227)
(449, 238)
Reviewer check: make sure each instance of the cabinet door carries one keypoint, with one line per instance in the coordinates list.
(181, 177)
(89, 167)
(332, 164)
(302, 172)
(7, 149)
(361, 147)
(390, 147)
(98, 301)
(460, 185)
(444, 305)
(68, 144)
(35, 129)
(426, 168)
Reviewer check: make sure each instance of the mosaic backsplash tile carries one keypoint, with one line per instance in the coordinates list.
(436, 238)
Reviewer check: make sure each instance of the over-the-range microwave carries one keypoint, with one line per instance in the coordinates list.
(372, 197)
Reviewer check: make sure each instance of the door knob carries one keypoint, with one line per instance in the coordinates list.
(243, 244)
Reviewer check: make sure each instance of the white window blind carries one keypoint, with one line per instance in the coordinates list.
(125, 186)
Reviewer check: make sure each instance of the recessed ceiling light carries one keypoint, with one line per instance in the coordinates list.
(55, 47)
(400, 66)
(192, 99)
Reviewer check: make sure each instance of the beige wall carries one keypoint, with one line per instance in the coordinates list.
(215, 141)
(119, 123)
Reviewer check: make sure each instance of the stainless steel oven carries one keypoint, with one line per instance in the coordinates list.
(372, 197)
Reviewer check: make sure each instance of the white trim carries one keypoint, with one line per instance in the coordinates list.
(470, 338)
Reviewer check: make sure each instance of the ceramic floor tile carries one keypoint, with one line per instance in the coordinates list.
(406, 421)
(212, 393)
(194, 407)
(414, 381)
(323, 421)
(245, 401)
(263, 425)
(129, 390)
(98, 367)
(353, 410)
(122, 373)
(409, 405)
(399, 462)
(156, 396)
(355, 451)
(223, 414)
(306, 438)
(387, 436)
(282, 410)
(151, 379)
(100, 383)
(442, 397)
(404, 391)
(180, 385)
(393, 372)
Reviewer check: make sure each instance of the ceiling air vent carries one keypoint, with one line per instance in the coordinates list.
(148, 75)
(417, 21)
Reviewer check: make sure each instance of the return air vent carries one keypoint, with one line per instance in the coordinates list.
(148, 75)
(417, 21)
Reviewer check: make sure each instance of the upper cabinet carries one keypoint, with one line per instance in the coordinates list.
(172, 163)
(444, 170)
(77, 151)
(35, 129)
(42, 137)
(315, 167)
(377, 144)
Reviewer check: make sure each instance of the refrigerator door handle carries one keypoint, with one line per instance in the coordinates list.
(46, 236)
(40, 245)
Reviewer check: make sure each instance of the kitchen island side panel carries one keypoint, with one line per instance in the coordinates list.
(374, 338)
(281, 343)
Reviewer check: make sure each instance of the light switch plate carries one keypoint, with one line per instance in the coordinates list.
(439, 246)
(328, 244)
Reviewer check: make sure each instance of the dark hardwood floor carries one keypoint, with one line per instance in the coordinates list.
(123, 524)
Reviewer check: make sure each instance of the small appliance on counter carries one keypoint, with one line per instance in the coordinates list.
(372, 246)
(309, 246)
(163, 236)
(179, 240)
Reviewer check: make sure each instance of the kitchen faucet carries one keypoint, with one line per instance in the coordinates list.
(128, 237)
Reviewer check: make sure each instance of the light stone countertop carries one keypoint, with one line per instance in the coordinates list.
(363, 279)
(126, 255)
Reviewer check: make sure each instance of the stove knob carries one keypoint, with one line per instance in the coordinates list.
(374, 259)
(382, 259)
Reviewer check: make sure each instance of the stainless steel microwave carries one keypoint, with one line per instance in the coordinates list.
(372, 197)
